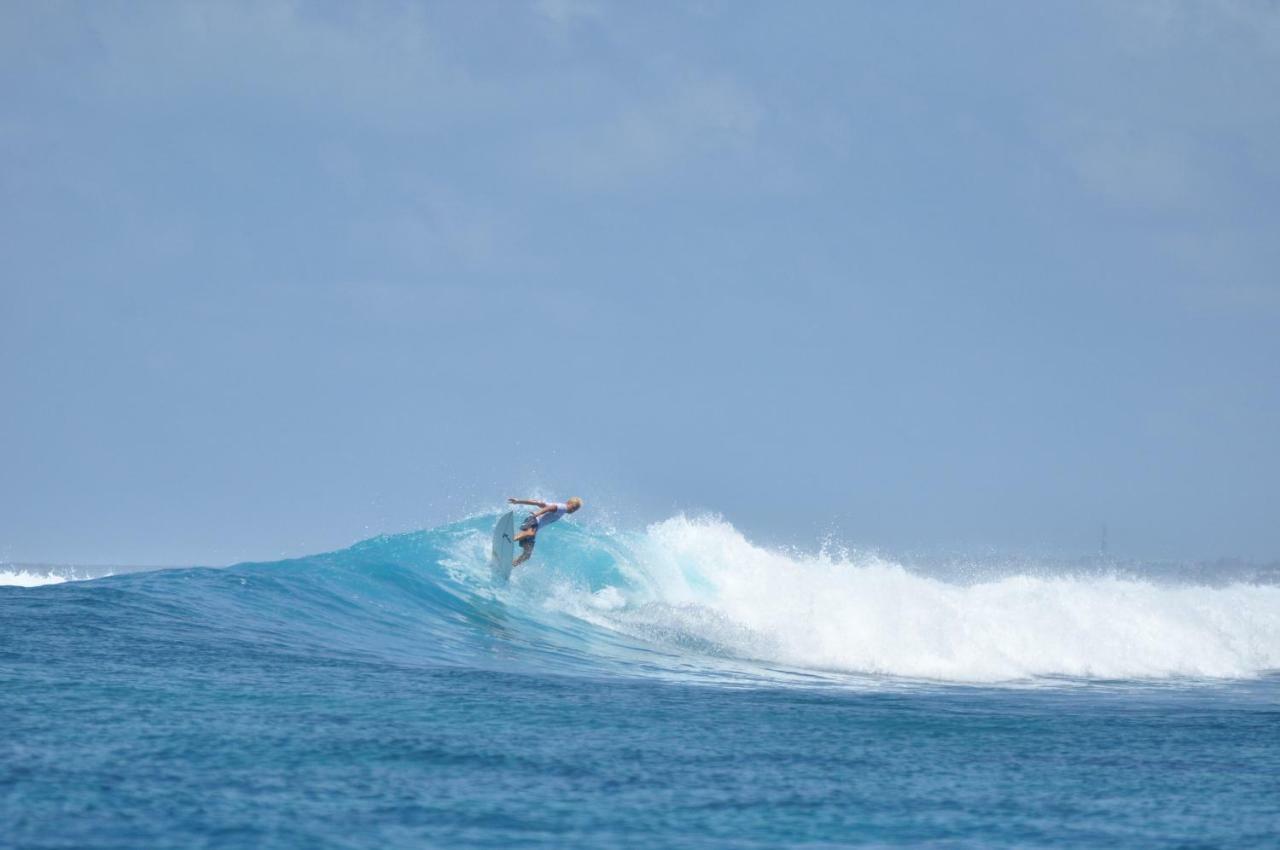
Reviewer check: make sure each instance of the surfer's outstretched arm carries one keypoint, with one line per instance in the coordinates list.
(542, 507)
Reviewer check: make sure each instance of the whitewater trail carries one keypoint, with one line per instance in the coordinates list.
(700, 585)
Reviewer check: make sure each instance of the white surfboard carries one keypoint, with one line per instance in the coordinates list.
(503, 547)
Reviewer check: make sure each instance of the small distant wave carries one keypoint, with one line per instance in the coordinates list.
(23, 578)
(15, 576)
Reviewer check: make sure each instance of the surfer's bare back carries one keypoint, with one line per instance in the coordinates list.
(547, 513)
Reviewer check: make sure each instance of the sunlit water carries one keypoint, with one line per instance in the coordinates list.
(676, 687)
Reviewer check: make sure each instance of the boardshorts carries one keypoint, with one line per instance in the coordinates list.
(530, 522)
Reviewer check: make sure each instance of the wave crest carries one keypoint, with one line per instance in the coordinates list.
(702, 580)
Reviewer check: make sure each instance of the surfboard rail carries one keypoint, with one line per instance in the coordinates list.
(503, 548)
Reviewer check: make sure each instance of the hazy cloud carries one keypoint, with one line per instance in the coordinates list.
(1163, 23)
(1137, 168)
(377, 64)
(693, 119)
(568, 12)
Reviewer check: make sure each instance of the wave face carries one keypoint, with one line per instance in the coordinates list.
(693, 598)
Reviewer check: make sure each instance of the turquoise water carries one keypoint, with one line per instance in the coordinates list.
(677, 687)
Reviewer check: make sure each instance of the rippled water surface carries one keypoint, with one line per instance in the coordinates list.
(677, 687)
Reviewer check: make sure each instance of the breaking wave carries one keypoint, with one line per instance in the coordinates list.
(693, 598)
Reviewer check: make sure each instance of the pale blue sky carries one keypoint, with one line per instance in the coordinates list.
(281, 275)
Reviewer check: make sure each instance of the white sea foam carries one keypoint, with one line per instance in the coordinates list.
(700, 584)
(15, 575)
(25, 578)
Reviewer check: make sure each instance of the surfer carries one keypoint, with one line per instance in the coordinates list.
(547, 513)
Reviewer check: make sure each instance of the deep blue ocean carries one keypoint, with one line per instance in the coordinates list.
(672, 687)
